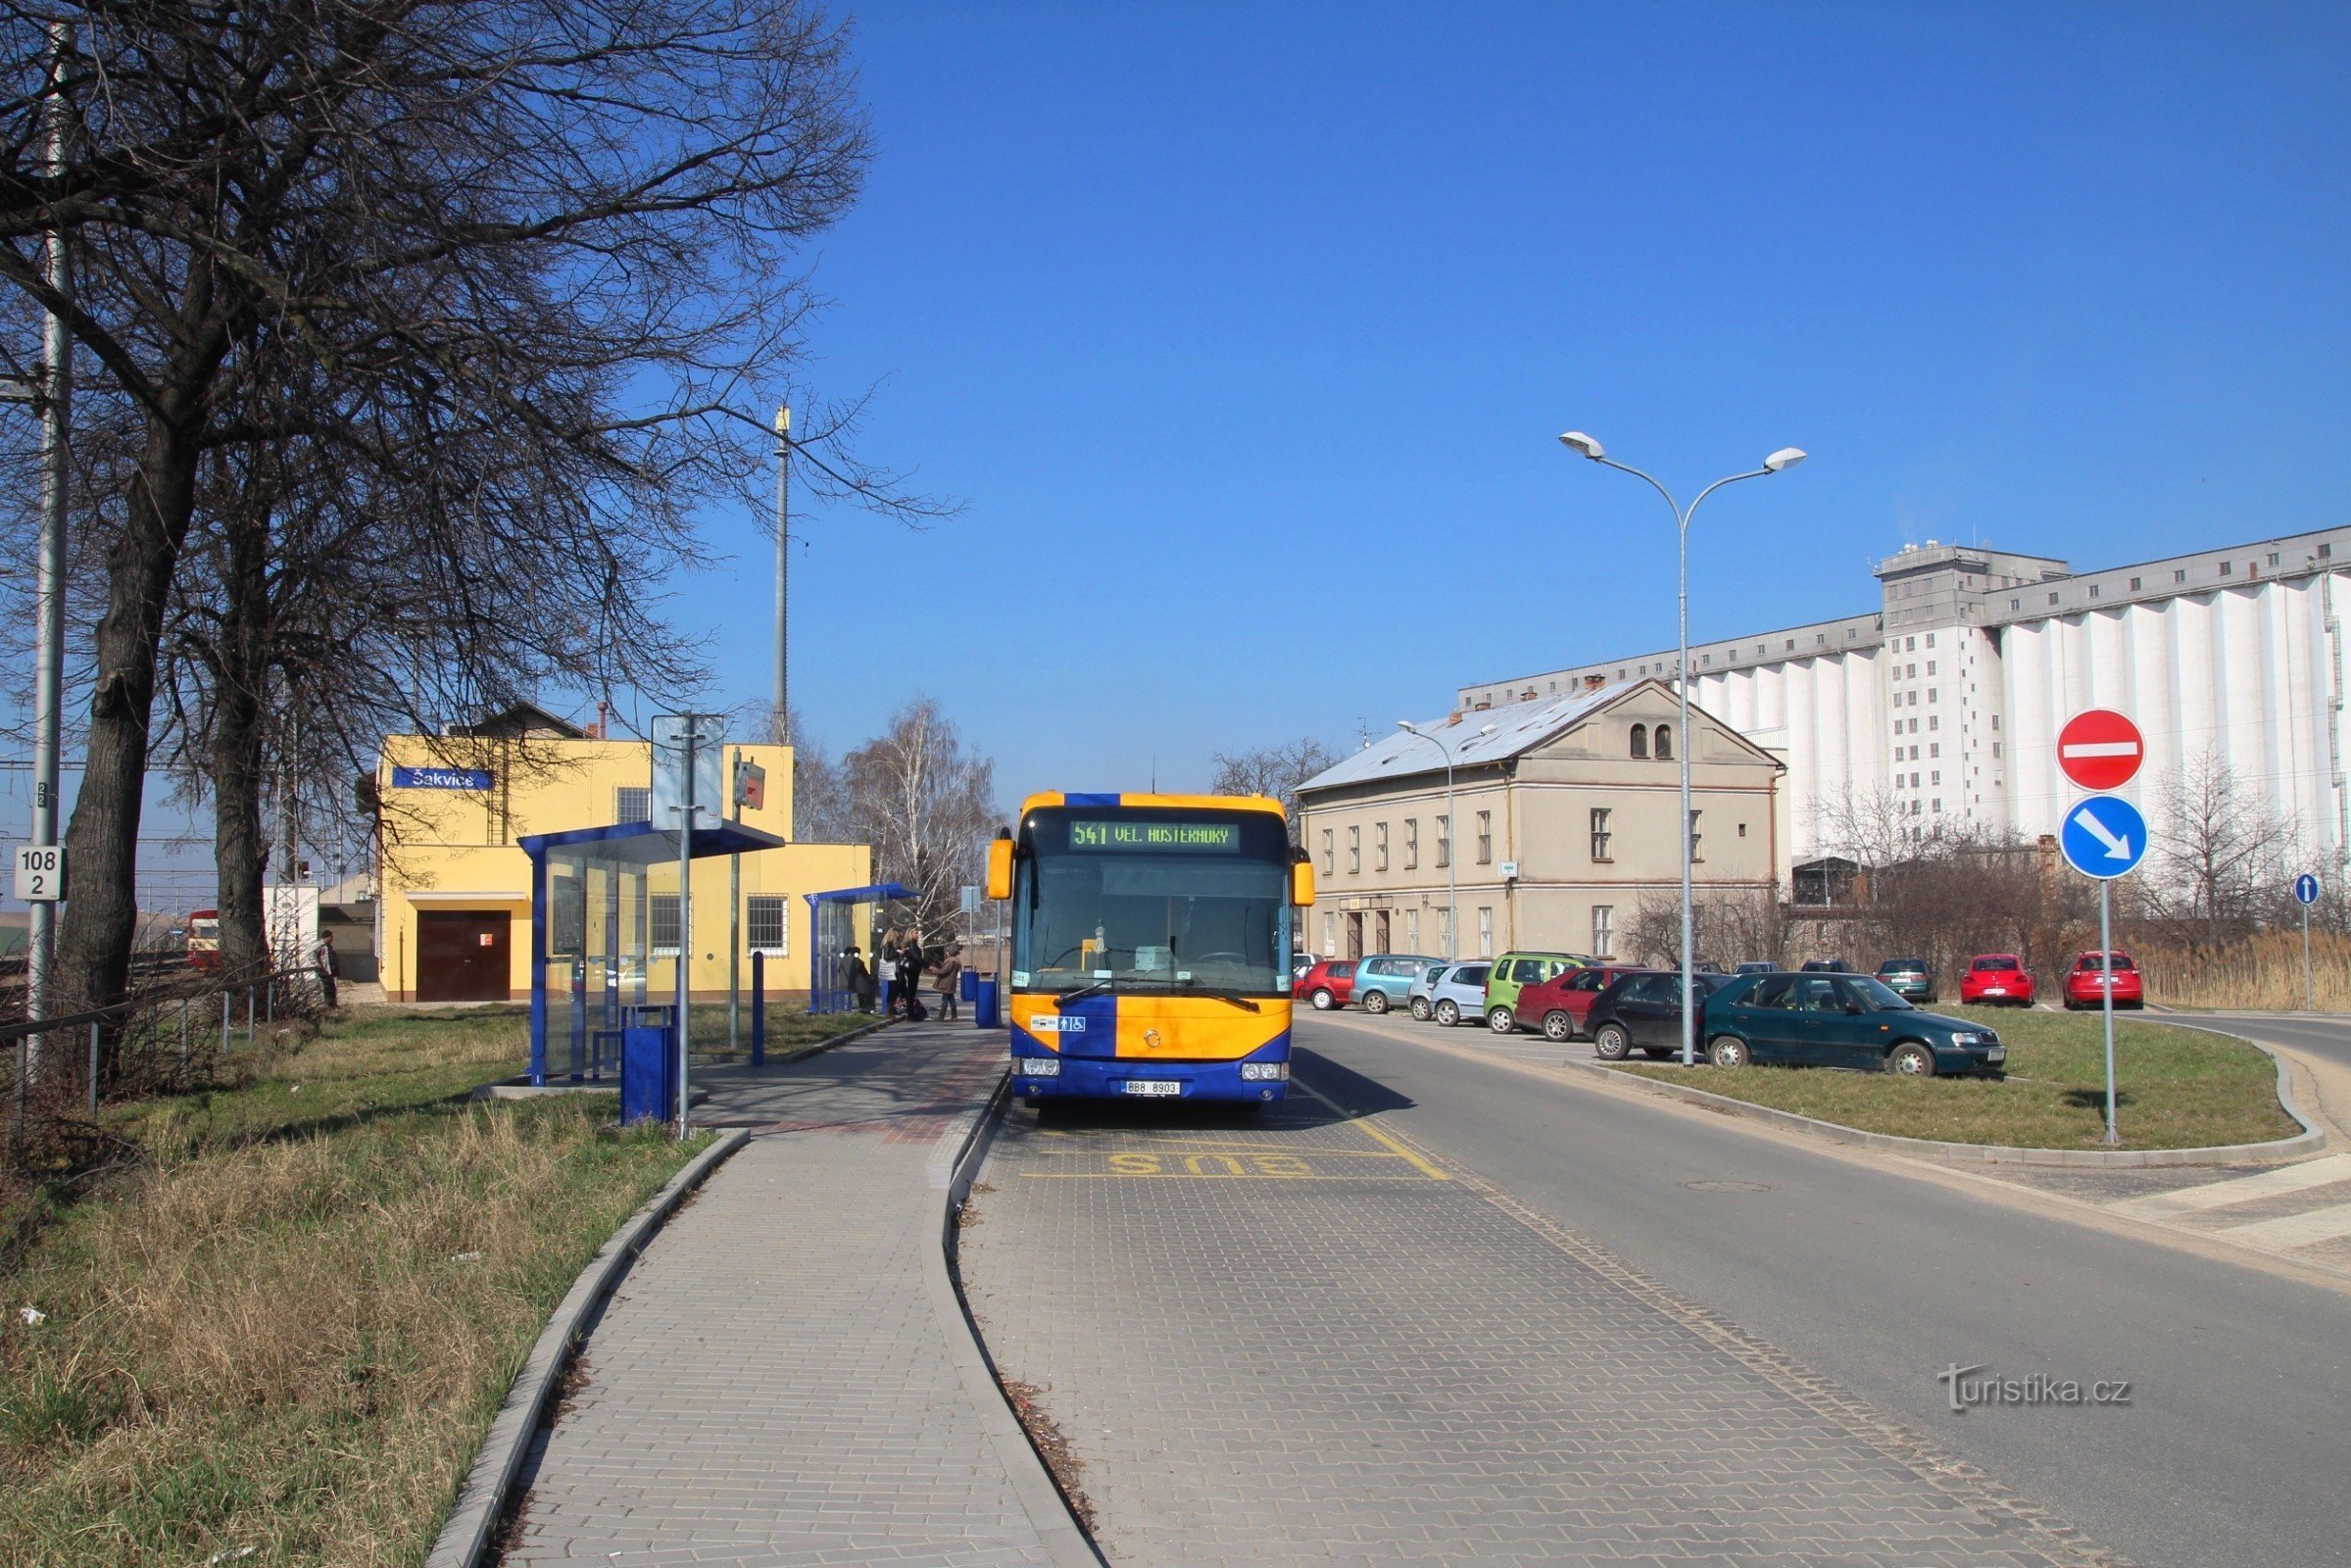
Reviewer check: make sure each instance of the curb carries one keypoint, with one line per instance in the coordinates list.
(2309, 1141)
(474, 1514)
(1065, 1545)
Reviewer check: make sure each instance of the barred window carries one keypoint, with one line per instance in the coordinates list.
(633, 803)
(766, 924)
(663, 909)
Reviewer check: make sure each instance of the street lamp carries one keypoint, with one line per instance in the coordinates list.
(1779, 461)
(1453, 865)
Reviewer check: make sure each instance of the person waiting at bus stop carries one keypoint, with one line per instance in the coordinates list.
(950, 972)
(909, 969)
(860, 979)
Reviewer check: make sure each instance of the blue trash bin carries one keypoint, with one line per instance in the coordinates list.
(983, 1005)
(967, 985)
(648, 1075)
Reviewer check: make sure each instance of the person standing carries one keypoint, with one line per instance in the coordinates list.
(886, 972)
(859, 978)
(323, 959)
(909, 968)
(950, 972)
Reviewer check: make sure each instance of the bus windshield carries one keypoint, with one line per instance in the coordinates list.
(1153, 898)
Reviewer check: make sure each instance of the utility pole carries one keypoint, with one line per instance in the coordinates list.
(783, 572)
(49, 657)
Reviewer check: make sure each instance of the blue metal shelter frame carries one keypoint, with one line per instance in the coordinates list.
(831, 923)
(575, 877)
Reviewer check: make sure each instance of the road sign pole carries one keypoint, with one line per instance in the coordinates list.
(685, 918)
(2106, 968)
(2306, 1001)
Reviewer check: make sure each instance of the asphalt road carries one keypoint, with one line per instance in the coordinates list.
(2328, 1038)
(2232, 1450)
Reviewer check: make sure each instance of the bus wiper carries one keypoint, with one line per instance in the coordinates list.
(1081, 992)
(1240, 1002)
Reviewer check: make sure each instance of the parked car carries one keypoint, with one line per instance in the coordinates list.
(2086, 982)
(1825, 966)
(1911, 979)
(1642, 1008)
(1449, 992)
(1327, 985)
(1840, 1020)
(1516, 969)
(1557, 1006)
(1299, 963)
(1757, 966)
(1383, 979)
(1997, 979)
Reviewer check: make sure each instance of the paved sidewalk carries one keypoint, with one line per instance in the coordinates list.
(777, 1380)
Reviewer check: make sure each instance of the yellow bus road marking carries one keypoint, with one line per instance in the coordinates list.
(1187, 1176)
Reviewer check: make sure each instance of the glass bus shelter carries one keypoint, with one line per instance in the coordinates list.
(604, 937)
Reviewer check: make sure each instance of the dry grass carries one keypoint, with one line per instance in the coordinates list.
(2261, 972)
(290, 1328)
(2175, 1089)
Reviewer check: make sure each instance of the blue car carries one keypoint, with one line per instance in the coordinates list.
(1825, 1020)
(1385, 979)
(1450, 992)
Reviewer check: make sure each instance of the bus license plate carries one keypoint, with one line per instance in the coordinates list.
(1153, 1086)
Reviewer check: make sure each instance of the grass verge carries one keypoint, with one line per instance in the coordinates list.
(2174, 1089)
(287, 1329)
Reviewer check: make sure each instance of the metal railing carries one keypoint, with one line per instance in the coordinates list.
(161, 1041)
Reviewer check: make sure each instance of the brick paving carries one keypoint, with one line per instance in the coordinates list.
(1303, 1340)
(771, 1383)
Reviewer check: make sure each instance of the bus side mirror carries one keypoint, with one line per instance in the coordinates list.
(999, 869)
(1302, 883)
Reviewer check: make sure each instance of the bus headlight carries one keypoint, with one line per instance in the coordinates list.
(1264, 1071)
(1036, 1067)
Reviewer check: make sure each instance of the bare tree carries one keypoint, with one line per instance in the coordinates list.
(570, 220)
(2222, 855)
(1271, 770)
(821, 808)
(926, 805)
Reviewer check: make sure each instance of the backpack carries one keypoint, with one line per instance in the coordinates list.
(916, 1010)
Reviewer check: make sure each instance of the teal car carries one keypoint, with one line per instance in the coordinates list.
(1385, 979)
(1840, 1020)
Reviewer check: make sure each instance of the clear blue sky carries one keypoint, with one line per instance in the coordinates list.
(1245, 332)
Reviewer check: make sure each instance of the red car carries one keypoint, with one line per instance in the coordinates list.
(1331, 982)
(1996, 980)
(2087, 981)
(1558, 1006)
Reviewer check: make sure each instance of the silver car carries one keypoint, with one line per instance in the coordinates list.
(1450, 992)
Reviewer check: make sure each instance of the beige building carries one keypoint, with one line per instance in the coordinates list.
(1566, 812)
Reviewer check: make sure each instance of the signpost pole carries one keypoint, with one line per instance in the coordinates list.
(2306, 997)
(2106, 967)
(734, 913)
(685, 912)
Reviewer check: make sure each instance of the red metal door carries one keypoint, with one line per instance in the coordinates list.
(461, 955)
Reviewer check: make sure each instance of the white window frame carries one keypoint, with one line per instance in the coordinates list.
(653, 904)
(1603, 930)
(1412, 842)
(783, 915)
(1485, 931)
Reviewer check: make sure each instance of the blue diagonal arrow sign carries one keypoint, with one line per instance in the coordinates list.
(2104, 837)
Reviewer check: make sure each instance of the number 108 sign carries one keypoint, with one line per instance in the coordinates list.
(40, 873)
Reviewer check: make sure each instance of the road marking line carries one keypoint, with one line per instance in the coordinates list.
(1199, 1176)
(2295, 1230)
(2238, 1190)
(1365, 1126)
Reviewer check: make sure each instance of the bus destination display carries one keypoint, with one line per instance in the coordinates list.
(1122, 834)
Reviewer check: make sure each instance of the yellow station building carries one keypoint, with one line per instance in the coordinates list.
(453, 913)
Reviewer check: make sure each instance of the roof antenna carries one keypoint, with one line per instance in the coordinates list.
(1154, 772)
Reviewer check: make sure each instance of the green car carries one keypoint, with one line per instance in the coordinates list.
(1839, 1020)
(1516, 969)
(1911, 979)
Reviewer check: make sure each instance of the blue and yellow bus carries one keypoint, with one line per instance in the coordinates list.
(1150, 942)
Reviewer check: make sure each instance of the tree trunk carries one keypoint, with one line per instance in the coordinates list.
(240, 849)
(102, 842)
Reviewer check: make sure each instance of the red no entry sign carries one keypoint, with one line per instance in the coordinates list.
(2100, 750)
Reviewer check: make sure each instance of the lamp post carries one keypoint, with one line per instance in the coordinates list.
(1785, 458)
(1453, 865)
